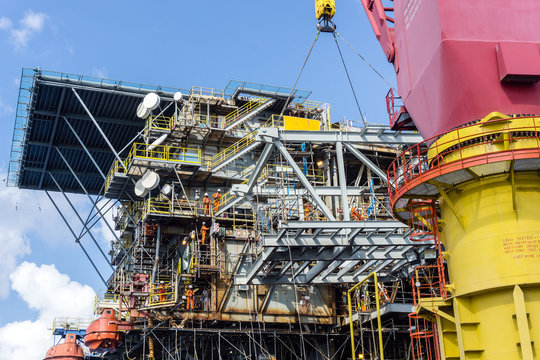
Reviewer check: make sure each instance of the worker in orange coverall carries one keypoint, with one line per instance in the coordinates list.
(308, 209)
(189, 297)
(217, 198)
(204, 232)
(206, 202)
(354, 213)
(161, 291)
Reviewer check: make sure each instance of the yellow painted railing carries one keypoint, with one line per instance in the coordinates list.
(162, 294)
(156, 206)
(160, 123)
(246, 108)
(308, 105)
(104, 296)
(115, 168)
(232, 150)
(274, 121)
(210, 121)
(379, 325)
(164, 153)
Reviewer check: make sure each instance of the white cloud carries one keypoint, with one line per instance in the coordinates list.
(5, 23)
(30, 24)
(33, 21)
(26, 215)
(51, 293)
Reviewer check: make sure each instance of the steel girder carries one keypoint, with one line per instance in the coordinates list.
(306, 252)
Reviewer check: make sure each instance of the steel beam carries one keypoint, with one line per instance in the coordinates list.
(308, 240)
(261, 163)
(342, 181)
(370, 135)
(82, 221)
(343, 252)
(75, 237)
(377, 224)
(99, 128)
(314, 197)
(51, 139)
(364, 159)
(94, 204)
(86, 118)
(85, 148)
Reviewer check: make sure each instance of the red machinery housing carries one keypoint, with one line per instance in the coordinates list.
(103, 334)
(68, 350)
(457, 61)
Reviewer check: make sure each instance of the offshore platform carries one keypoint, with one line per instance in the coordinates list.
(250, 225)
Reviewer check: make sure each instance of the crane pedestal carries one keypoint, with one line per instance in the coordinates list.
(485, 179)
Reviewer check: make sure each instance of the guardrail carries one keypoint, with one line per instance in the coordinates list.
(490, 140)
(251, 105)
(70, 323)
(163, 153)
(159, 123)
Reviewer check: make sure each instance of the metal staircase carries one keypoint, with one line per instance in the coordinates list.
(246, 112)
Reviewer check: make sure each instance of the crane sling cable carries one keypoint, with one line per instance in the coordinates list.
(350, 82)
(300, 73)
(367, 63)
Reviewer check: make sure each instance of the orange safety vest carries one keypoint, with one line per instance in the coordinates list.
(204, 232)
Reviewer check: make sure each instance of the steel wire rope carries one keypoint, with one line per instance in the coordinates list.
(350, 81)
(296, 306)
(300, 73)
(257, 212)
(367, 63)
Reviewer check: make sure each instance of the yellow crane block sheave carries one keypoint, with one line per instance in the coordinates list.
(325, 8)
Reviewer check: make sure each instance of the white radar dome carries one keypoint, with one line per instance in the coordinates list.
(151, 101)
(150, 180)
(177, 96)
(166, 189)
(140, 190)
(142, 111)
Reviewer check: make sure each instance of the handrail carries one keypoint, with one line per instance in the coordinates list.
(467, 146)
(251, 105)
(162, 294)
(378, 304)
(232, 150)
(70, 323)
(163, 153)
(115, 168)
(206, 91)
(159, 123)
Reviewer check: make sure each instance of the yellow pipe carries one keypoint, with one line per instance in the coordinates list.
(379, 324)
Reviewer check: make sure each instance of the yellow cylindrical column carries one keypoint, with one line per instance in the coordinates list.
(491, 235)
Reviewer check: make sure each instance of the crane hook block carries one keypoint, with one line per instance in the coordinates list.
(325, 9)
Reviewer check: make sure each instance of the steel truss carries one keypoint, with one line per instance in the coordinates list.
(331, 251)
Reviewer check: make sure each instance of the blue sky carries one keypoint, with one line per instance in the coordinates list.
(178, 44)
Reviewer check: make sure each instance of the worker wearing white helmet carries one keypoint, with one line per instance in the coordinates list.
(206, 202)
(217, 198)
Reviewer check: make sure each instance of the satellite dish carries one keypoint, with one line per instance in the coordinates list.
(140, 190)
(150, 180)
(177, 96)
(166, 189)
(151, 101)
(142, 111)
